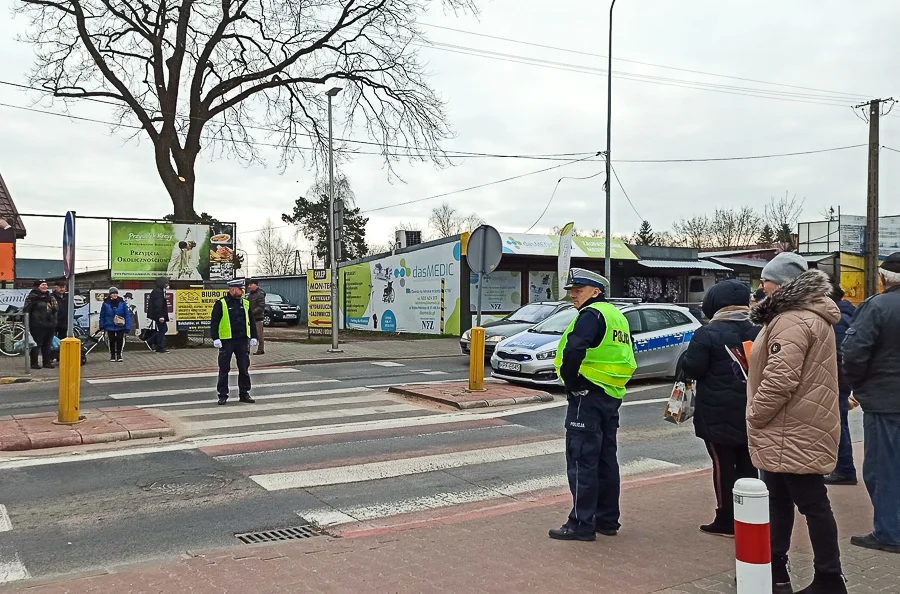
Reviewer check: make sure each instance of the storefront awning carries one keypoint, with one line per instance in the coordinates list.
(684, 265)
(739, 262)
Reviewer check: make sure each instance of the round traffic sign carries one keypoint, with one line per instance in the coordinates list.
(69, 244)
(485, 248)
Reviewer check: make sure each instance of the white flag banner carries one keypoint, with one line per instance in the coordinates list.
(565, 256)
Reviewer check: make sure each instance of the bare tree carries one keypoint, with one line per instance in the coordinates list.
(783, 211)
(275, 256)
(735, 227)
(446, 221)
(210, 73)
(694, 232)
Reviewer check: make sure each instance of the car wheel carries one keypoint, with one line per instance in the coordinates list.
(267, 321)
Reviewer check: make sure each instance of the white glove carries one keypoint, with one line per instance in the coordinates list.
(217, 343)
(253, 342)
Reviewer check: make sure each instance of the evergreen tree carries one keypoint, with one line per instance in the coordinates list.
(767, 236)
(645, 235)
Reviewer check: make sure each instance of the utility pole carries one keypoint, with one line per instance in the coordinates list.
(607, 264)
(873, 109)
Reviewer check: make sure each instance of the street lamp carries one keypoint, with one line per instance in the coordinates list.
(608, 259)
(333, 88)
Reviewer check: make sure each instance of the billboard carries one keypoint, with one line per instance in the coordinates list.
(502, 291)
(525, 244)
(193, 308)
(7, 251)
(853, 235)
(146, 250)
(137, 301)
(318, 300)
(412, 292)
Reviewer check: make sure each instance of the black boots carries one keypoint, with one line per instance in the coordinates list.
(723, 525)
(826, 583)
(781, 580)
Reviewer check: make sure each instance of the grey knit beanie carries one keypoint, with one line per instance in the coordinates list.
(784, 268)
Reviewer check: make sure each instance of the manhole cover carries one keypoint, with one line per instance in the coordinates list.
(281, 534)
(187, 485)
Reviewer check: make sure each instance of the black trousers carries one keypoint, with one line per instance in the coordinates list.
(240, 350)
(116, 340)
(592, 466)
(730, 463)
(808, 493)
(160, 338)
(43, 338)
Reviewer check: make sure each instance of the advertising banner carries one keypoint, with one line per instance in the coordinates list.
(7, 251)
(137, 301)
(318, 301)
(141, 251)
(853, 235)
(193, 308)
(413, 292)
(526, 244)
(564, 259)
(502, 291)
(13, 300)
(543, 286)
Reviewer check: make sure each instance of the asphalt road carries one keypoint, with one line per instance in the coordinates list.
(332, 448)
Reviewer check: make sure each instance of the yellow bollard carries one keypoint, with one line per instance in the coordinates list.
(476, 360)
(69, 380)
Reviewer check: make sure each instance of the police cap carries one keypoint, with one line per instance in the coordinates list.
(238, 282)
(579, 277)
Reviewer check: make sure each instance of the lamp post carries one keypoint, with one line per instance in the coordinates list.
(608, 259)
(334, 88)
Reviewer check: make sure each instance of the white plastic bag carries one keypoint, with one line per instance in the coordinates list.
(680, 407)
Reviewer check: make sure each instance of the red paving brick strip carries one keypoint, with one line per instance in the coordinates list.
(455, 394)
(27, 432)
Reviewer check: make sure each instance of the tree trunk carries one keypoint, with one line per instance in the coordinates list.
(179, 185)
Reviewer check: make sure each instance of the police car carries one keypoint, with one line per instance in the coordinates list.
(660, 334)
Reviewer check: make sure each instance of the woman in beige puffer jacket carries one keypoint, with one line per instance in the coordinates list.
(793, 420)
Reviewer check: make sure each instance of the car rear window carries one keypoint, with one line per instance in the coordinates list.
(677, 318)
(634, 321)
(656, 320)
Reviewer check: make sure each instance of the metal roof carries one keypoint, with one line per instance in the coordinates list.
(818, 258)
(684, 264)
(728, 253)
(739, 262)
(35, 268)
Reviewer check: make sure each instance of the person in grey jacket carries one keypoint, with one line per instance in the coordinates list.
(872, 366)
(257, 298)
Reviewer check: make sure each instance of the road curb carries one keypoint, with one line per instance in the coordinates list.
(14, 380)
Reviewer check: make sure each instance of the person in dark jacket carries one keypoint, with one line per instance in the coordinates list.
(115, 320)
(158, 312)
(720, 417)
(42, 310)
(233, 331)
(62, 302)
(872, 366)
(258, 308)
(845, 471)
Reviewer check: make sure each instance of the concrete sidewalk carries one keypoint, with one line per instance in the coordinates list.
(503, 549)
(139, 362)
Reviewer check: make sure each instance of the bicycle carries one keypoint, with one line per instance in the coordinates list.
(12, 337)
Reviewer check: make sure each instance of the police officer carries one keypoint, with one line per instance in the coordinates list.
(233, 331)
(594, 360)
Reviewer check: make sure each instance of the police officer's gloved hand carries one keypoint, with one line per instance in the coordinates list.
(217, 343)
(579, 393)
(253, 342)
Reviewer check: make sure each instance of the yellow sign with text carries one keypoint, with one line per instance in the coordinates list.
(318, 298)
(193, 308)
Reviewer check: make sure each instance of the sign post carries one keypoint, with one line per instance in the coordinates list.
(483, 254)
(69, 347)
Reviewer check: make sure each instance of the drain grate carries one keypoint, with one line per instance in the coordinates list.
(295, 533)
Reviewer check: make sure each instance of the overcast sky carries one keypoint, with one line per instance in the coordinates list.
(52, 164)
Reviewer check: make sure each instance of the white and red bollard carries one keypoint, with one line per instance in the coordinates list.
(753, 553)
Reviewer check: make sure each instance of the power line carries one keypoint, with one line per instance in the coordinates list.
(890, 149)
(742, 158)
(621, 187)
(556, 187)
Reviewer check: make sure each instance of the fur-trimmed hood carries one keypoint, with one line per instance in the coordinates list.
(810, 291)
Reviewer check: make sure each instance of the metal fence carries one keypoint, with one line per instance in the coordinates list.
(14, 344)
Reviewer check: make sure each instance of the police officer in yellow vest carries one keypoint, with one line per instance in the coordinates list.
(594, 360)
(233, 332)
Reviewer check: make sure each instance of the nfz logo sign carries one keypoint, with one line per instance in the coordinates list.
(428, 324)
(319, 274)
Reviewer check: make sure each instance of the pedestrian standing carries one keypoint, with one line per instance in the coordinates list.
(845, 471)
(258, 308)
(793, 421)
(42, 310)
(115, 320)
(594, 360)
(720, 418)
(233, 332)
(158, 312)
(62, 303)
(872, 366)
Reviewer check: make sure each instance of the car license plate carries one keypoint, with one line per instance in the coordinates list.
(290, 316)
(508, 366)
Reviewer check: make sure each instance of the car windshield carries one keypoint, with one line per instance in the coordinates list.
(557, 323)
(531, 314)
(274, 298)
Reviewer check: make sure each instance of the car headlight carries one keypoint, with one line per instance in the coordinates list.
(467, 335)
(276, 308)
(494, 338)
(546, 355)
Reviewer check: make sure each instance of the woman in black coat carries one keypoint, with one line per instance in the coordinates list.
(720, 418)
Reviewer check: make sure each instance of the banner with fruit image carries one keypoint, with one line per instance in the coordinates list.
(415, 292)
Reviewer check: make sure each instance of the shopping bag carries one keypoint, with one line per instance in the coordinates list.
(740, 361)
(680, 407)
(21, 345)
(54, 343)
(148, 333)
